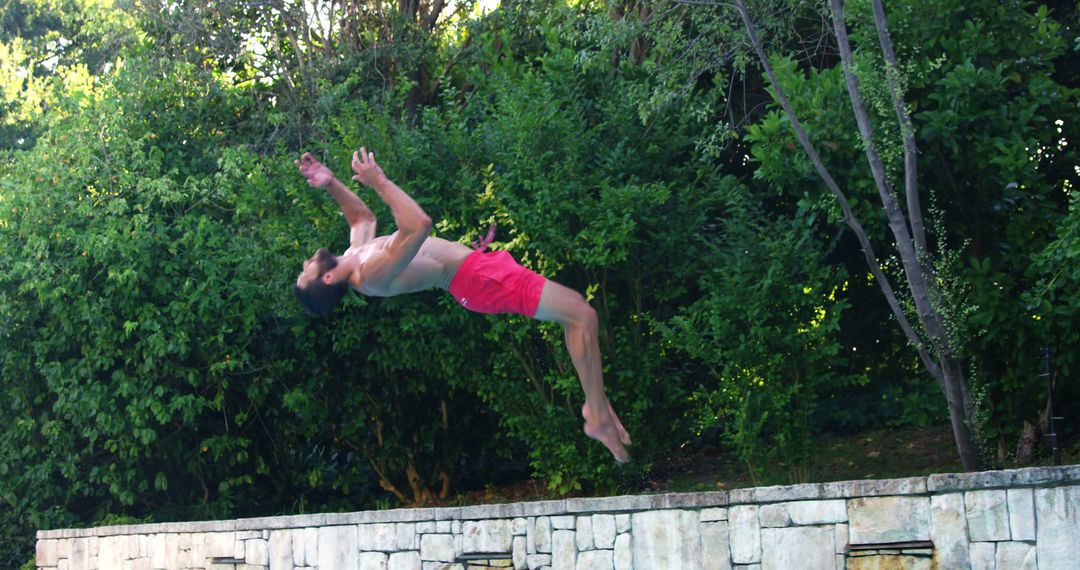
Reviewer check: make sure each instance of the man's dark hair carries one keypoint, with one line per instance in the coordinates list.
(318, 298)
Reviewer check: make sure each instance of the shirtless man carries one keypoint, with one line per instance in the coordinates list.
(411, 260)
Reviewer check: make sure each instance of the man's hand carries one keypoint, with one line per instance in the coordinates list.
(367, 171)
(317, 174)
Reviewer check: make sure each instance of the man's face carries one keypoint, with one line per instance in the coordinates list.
(315, 266)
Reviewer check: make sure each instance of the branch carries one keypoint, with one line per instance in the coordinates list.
(913, 271)
(845, 206)
(911, 166)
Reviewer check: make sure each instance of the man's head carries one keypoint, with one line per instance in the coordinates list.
(317, 289)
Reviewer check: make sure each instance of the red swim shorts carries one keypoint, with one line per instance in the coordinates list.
(492, 282)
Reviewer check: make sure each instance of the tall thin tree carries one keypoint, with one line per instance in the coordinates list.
(935, 349)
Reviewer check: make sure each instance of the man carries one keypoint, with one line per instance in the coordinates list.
(411, 260)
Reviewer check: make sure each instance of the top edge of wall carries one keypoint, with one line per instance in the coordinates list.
(933, 484)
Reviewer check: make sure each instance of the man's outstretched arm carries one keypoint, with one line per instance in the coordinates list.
(360, 218)
(414, 225)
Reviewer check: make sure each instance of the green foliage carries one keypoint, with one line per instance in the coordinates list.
(154, 366)
(770, 352)
(49, 49)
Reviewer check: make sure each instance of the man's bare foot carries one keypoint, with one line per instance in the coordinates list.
(610, 433)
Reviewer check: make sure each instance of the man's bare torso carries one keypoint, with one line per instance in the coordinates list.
(433, 266)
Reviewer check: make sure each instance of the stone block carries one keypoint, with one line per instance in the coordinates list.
(797, 547)
(715, 551)
(405, 536)
(608, 504)
(818, 512)
(338, 546)
(221, 544)
(603, 527)
(543, 508)
(564, 522)
(486, 536)
(596, 560)
(542, 535)
(425, 527)
(744, 534)
(280, 550)
(380, 537)
(112, 552)
(774, 515)
(775, 494)
(948, 531)
(311, 547)
(455, 527)
(46, 552)
(536, 561)
(80, 555)
(661, 539)
(712, 514)
(372, 560)
(443, 527)
(156, 547)
(622, 523)
(840, 538)
(872, 488)
(404, 561)
(623, 557)
(478, 512)
(437, 547)
(256, 552)
(563, 550)
(987, 515)
(583, 534)
(888, 519)
(63, 549)
(1015, 556)
(519, 526)
(1021, 514)
(520, 551)
(982, 555)
(238, 549)
(197, 555)
(138, 546)
(1057, 512)
(689, 500)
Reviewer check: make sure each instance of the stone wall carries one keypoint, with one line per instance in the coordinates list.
(1025, 518)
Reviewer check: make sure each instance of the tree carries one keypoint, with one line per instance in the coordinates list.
(932, 342)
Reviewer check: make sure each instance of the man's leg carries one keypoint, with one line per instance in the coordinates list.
(567, 307)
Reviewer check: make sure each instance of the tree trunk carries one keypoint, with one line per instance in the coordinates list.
(961, 413)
